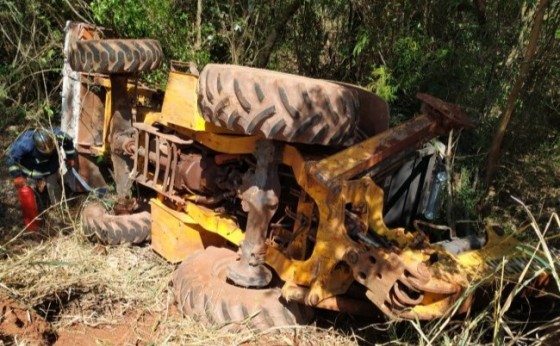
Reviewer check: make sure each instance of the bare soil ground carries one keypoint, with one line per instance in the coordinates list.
(134, 328)
(18, 324)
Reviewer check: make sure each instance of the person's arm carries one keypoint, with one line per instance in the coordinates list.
(66, 144)
(15, 153)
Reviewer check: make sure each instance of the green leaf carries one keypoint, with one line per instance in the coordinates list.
(49, 111)
(382, 83)
(52, 263)
(363, 41)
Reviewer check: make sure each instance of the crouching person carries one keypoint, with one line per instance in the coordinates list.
(37, 155)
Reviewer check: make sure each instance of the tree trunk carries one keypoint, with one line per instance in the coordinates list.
(495, 149)
(480, 10)
(198, 42)
(276, 33)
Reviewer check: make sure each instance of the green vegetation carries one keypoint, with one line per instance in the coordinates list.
(464, 52)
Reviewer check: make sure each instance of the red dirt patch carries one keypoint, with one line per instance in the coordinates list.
(18, 324)
(135, 328)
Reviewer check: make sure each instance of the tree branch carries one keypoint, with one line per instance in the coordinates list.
(276, 33)
(495, 149)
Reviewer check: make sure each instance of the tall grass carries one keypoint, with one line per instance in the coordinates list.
(492, 324)
(31, 37)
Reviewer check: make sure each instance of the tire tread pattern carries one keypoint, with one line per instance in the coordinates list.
(115, 56)
(278, 106)
(98, 225)
(202, 292)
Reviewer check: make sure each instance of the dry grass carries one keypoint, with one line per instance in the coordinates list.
(74, 282)
(65, 266)
(493, 325)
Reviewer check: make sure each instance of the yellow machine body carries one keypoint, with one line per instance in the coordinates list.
(320, 276)
(202, 176)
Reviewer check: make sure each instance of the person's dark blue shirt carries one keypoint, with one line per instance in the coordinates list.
(24, 159)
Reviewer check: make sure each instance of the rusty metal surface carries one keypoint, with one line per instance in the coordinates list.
(189, 173)
(169, 164)
(72, 88)
(120, 134)
(199, 174)
(447, 115)
(373, 111)
(440, 118)
(260, 194)
(201, 288)
(90, 171)
(361, 157)
(164, 151)
(125, 206)
(90, 127)
(391, 263)
(403, 282)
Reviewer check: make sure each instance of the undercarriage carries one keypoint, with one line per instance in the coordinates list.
(282, 186)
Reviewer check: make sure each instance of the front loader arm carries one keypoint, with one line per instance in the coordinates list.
(439, 118)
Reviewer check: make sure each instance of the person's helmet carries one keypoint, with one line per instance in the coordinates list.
(44, 141)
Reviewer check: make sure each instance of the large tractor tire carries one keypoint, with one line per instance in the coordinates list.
(277, 105)
(115, 56)
(201, 289)
(374, 111)
(98, 225)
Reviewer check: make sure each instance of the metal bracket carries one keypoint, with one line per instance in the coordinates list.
(260, 195)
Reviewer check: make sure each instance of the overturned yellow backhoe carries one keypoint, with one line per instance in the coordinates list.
(275, 191)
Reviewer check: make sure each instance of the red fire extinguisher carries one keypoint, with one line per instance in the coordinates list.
(29, 208)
